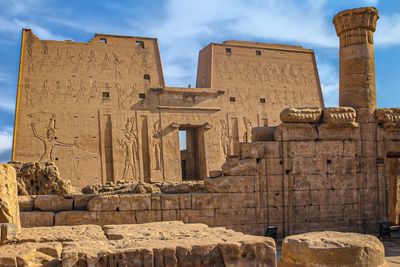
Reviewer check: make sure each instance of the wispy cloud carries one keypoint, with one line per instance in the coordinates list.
(388, 30)
(6, 137)
(329, 83)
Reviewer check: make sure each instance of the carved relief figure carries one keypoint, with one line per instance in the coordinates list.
(57, 58)
(105, 64)
(57, 92)
(44, 93)
(70, 91)
(81, 92)
(68, 61)
(93, 92)
(30, 61)
(121, 96)
(156, 143)
(129, 143)
(248, 126)
(117, 64)
(132, 95)
(28, 94)
(225, 138)
(133, 65)
(45, 57)
(49, 141)
(91, 62)
(79, 61)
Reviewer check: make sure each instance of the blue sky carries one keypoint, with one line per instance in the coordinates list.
(183, 27)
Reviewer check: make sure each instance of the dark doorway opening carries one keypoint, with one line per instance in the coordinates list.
(191, 141)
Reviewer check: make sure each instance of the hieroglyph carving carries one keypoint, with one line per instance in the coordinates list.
(156, 143)
(129, 144)
(49, 141)
(117, 65)
(226, 139)
(248, 126)
(28, 94)
(121, 96)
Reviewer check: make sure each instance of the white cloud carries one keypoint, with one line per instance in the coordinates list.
(329, 83)
(388, 30)
(6, 136)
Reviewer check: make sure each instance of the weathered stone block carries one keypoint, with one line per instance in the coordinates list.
(169, 215)
(81, 201)
(340, 116)
(329, 132)
(197, 216)
(301, 115)
(262, 134)
(226, 184)
(37, 218)
(170, 201)
(223, 200)
(103, 203)
(145, 216)
(116, 217)
(244, 200)
(26, 203)
(301, 149)
(326, 248)
(135, 202)
(9, 208)
(240, 167)
(296, 132)
(156, 201)
(215, 173)
(8, 232)
(253, 150)
(53, 203)
(75, 217)
(202, 201)
(185, 201)
(235, 216)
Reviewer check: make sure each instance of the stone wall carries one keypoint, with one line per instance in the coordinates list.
(100, 110)
(318, 174)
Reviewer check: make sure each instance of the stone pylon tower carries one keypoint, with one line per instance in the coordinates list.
(355, 28)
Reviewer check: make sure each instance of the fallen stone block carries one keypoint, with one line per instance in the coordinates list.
(332, 249)
(26, 203)
(37, 218)
(239, 167)
(8, 232)
(296, 132)
(230, 184)
(53, 203)
(301, 115)
(103, 203)
(81, 201)
(9, 208)
(135, 202)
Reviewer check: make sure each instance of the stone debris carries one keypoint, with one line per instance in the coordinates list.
(332, 249)
(127, 187)
(41, 178)
(9, 208)
(154, 244)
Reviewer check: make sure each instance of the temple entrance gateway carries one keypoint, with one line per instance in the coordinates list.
(191, 141)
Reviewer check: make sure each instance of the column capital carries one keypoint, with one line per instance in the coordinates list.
(356, 26)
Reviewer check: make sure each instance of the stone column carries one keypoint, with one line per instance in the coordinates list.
(355, 28)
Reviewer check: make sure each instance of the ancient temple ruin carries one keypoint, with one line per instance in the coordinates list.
(102, 112)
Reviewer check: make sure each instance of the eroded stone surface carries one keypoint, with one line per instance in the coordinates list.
(332, 249)
(9, 208)
(153, 244)
(41, 178)
(234, 167)
(301, 115)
